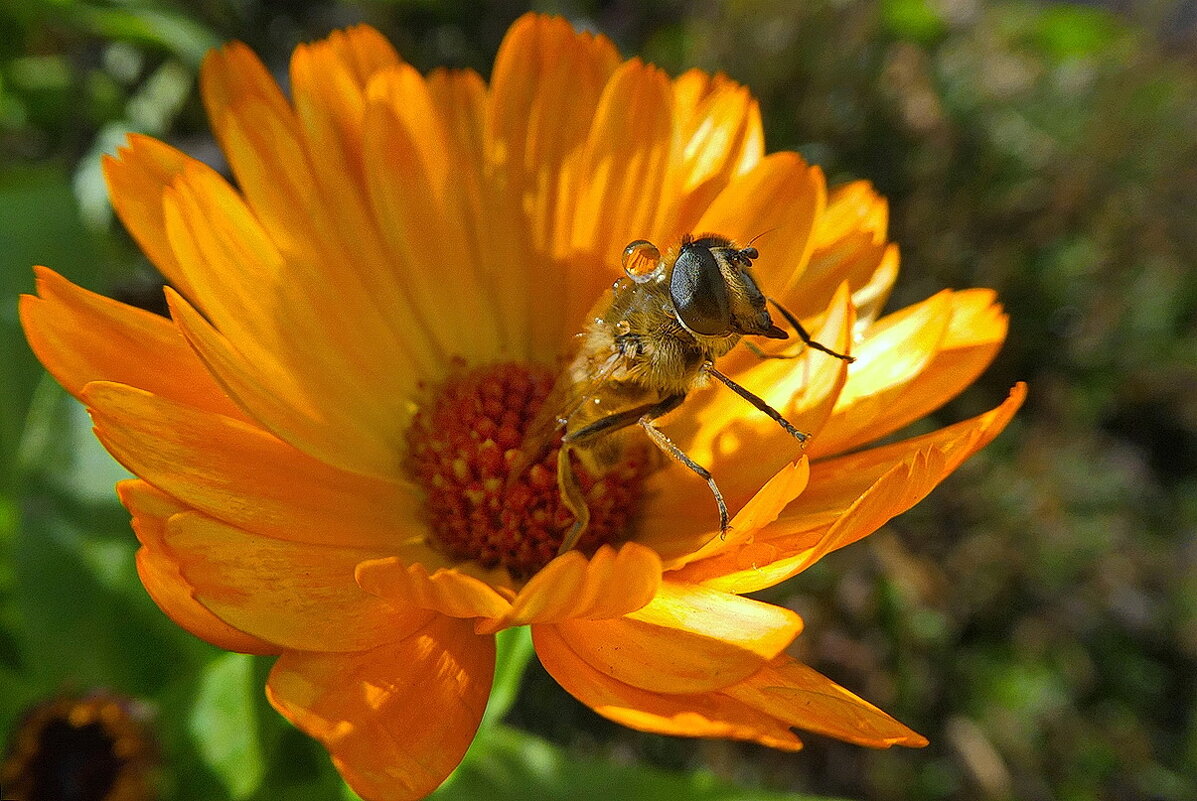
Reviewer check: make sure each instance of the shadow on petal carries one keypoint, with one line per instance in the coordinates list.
(397, 719)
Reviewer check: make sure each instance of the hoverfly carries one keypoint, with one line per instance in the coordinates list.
(652, 339)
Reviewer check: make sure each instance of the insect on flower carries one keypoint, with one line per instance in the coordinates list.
(367, 484)
(653, 338)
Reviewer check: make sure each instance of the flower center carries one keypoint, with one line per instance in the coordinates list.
(91, 747)
(461, 446)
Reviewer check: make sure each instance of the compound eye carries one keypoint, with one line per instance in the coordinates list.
(699, 292)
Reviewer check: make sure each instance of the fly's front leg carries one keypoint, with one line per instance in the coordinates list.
(806, 337)
(760, 354)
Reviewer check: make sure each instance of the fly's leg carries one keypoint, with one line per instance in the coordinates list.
(758, 403)
(806, 337)
(667, 445)
(567, 482)
(614, 422)
(572, 497)
(760, 354)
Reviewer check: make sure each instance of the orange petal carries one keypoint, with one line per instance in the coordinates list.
(688, 640)
(415, 114)
(849, 498)
(295, 413)
(336, 106)
(617, 187)
(259, 134)
(242, 475)
(309, 213)
(82, 337)
(460, 98)
(279, 312)
(857, 260)
(545, 95)
(897, 347)
(836, 482)
(869, 299)
(849, 245)
(160, 573)
(232, 74)
(414, 192)
(545, 87)
(136, 178)
(677, 714)
(396, 719)
(446, 590)
(296, 595)
(363, 51)
(892, 378)
(852, 208)
(780, 199)
(328, 82)
(609, 584)
(331, 100)
(799, 696)
(975, 330)
(761, 510)
(719, 124)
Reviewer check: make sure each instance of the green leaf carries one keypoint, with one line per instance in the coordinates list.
(86, 620)
(1064, 32)
(60, 450)
(508, 764)
(83, 618)
(39, 224)
(223, 724)
(914, 20)
(150, 111)
(515, 652)
(185, 37)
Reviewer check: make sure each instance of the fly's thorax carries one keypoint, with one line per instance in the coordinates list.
(650, 347)
(714, 347)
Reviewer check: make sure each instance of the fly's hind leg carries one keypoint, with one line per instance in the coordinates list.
(572, 497)
(567, 482)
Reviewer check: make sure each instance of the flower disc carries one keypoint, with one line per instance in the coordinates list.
(462, 446)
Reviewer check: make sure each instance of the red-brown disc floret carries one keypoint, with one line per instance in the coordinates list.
(460, 446)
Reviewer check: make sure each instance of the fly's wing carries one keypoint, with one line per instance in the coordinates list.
(590, 365)
(564, 399)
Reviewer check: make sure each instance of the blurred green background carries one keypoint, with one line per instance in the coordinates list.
(1036, 617)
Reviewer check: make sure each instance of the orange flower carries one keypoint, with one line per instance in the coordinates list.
(360, 329)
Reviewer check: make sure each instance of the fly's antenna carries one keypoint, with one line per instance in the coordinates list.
(758, 236)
